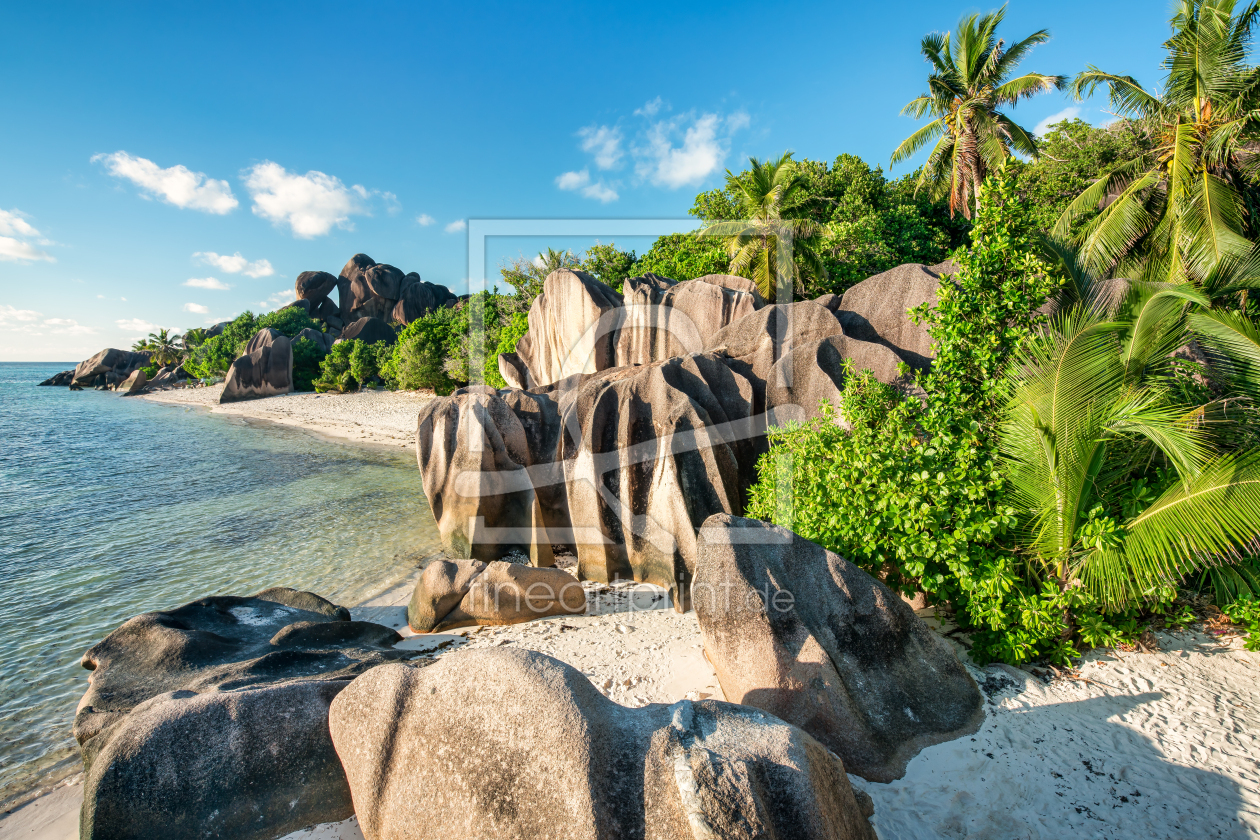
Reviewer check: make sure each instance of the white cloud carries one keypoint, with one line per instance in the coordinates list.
(649, 109)
(604, 144)
(10, 315)
(424, 220)
(14, 231)
(13, 223)
(206, 283)
(196, 308)
(581, 182)
(136, 325)
(279, 299)
(456, 226)
(310, 204)
(236, 264)
(67, 326)
(701, 153)
(1069, 113)
(176, 185)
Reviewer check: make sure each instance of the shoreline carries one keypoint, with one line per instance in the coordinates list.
(381, 419)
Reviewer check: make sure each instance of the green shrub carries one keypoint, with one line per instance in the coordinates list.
(215, 355)
(1246, 612)
(420, 356)
(290, 321)
(684, 256)
(915, 491)
(306, 358)
(334, 369)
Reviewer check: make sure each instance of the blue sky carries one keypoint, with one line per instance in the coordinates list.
(165, 166)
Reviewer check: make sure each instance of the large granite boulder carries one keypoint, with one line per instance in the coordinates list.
(460, 593)
(418, 298)
(369, 331)
(351, 275)
(514, 371)
(807, 636)
(63, 378)
(112, 364)
(657, 449)
(211, 720)
(757, 342)
(573, 328)
(314, 286)
(663, 319)
(264, 370)
(474, 453)
(133, 384)
(803, 378)
(876, 310)
(428, 757)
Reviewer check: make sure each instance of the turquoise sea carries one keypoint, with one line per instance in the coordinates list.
(112, 507)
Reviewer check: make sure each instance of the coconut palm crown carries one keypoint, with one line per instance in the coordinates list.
(1176, 220)
(769, 248)
(970, 82)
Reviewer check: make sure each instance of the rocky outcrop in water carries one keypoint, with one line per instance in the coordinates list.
(211, 720)
(807, 636)
(109, 367)
(63, 378)
(265, 369)
(428, 754)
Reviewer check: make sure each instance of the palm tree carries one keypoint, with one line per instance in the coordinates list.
(1176, 220)
(165, 347)
(768, 248)
(970, 81)
(1092, 408)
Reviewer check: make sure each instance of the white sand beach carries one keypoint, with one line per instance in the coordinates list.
(1131, 745)
(385, 418)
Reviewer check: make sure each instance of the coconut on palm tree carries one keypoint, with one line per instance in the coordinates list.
(1179, 219)
(770, 248)
(1122, 488)
(971, 80)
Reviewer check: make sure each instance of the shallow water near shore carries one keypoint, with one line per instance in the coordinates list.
(112, 507)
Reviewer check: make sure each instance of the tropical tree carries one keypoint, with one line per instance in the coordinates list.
(165, 347)
(970, 81)
(1120, 486)
(1174, 221)
(769, 248)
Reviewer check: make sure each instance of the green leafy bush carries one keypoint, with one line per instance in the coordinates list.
(1245, 611)
(420, 356)
(684, 256)
(213, 356)
(306, 358)
(334, 369)
(914, 493)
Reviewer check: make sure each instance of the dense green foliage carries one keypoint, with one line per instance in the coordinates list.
(306, 358)
(1246, 611)
(869, 224)
(213, 356)
(684, 256)
(914, 491)
(421, 353)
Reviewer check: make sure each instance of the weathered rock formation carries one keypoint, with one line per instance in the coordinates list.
(572, 328)
(112, 364)
(664, 319)
(626, 453)
(211, 720)
(63, 378)
(875, 309)
(428, 757)
(460, 593)
(368, 289)
(369, 330)
(807, 636)
(264, 370)
(134, 383)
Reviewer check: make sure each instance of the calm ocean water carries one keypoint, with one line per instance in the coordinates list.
(112, 507)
